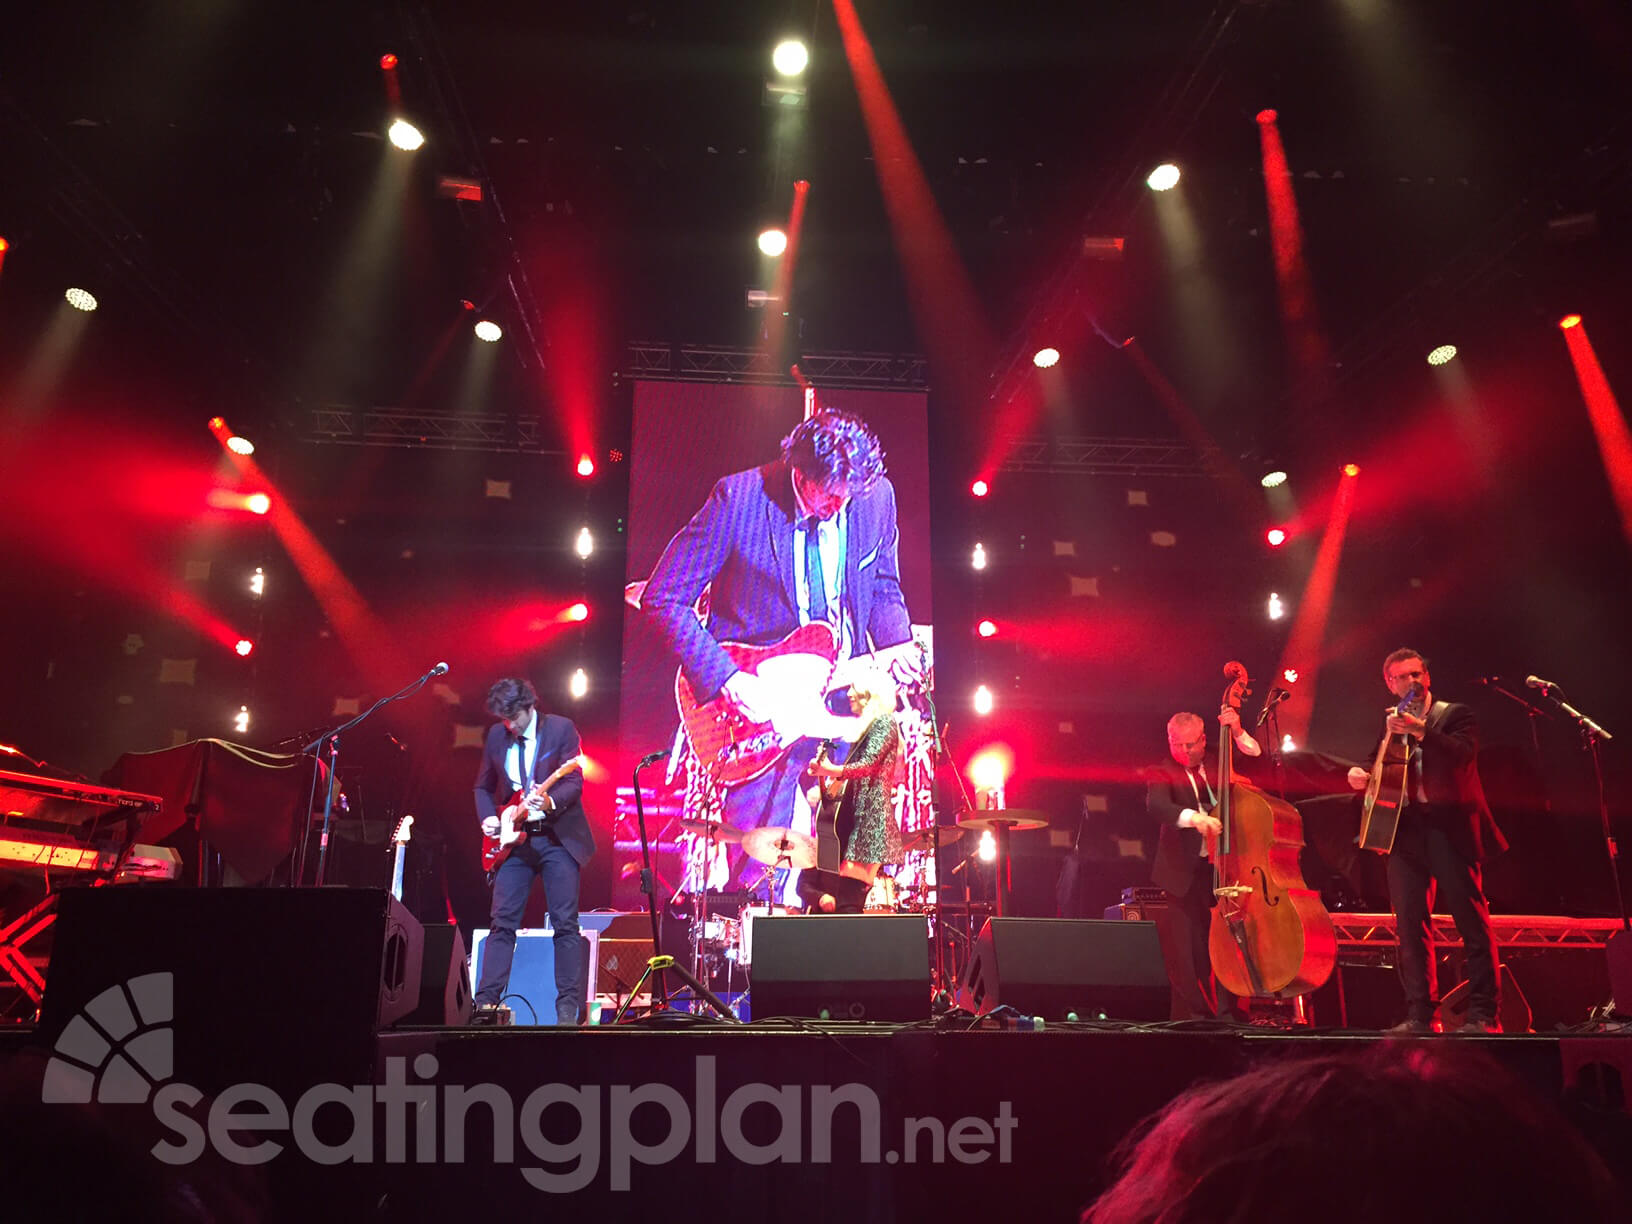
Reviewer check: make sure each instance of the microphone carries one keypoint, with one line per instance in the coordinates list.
(652, 758)
(441, 669)
(1536, 682)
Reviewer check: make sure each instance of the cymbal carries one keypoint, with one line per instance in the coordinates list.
(1013, 819)
(720, 831)
(930, 837)
(780, 847)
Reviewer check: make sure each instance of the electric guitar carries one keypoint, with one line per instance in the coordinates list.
(1386, 790)
(805, 671)
(518, 812)
(827, 813)
(399, 840)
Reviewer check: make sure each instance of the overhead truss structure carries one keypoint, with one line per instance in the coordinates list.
(1110, 457)
(349, 426)
(715, 363)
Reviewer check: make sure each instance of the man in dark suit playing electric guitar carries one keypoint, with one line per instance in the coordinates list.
(807, 539)
(1446, 831)
(523, 750)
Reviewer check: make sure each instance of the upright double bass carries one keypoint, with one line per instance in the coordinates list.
(1271, 938)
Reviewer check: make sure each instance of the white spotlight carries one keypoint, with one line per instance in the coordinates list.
(983, 700)
(1164, 177)
(1273, 480)
(1043, 358)
(790, 57)
(978, 557)
(240, 445)
(257, 582)
(79, 299)
(579, 685)
(405, 135)
(240, 722)
(488, 330)
(1439, 356)
(988, 846)
(1276, 608)
(772, 242)
(585, 543)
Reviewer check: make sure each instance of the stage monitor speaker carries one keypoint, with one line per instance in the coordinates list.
(841, 967)
(1512, 1009)
(1052, 967)
(444, 985)
(286, 986)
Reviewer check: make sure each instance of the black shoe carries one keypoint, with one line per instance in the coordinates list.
(1475, 1026)
(1410, 1028)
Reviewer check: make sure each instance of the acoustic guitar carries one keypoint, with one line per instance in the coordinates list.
(826, 821)
(1386, 789)
(518, 812)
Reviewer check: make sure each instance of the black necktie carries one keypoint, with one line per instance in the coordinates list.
(814, 578)
(1204, 793)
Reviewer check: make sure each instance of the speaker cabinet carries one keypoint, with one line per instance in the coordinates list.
(1052, 967)
(444, 987)
(841, 967)
(291, 982)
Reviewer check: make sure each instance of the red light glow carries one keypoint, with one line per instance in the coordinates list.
(388, 62)
(586, 466)
(980, 488)
(244, 648)
(1569, 321)
(1275, 536)
(1267, 116)
(1351, 469)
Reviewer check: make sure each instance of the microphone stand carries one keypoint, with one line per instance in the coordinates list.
(1276, 696)
(332, 738)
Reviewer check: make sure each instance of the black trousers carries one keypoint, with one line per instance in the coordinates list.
(1424, 859)
(1196, 995)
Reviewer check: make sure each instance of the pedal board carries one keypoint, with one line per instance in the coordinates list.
(493, 1015)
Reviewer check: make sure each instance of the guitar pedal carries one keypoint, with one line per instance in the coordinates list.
(492, 1015)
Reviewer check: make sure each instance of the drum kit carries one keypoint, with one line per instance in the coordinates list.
(724, 942)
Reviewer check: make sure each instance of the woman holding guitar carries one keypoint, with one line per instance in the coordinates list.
(858, 798)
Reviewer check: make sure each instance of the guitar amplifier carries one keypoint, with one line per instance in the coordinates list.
(1138, 905)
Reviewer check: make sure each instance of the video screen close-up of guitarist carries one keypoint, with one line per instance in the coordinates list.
(823, 507)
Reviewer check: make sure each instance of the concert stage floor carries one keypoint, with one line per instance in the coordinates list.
(777, 1121)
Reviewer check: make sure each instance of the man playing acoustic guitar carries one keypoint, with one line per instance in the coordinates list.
(522, 749)
(809, 539)
(1446, 831)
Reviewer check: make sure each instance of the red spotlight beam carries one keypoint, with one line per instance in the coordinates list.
(943, 302)
(781, 305)
(1303, 647)
(1195, 433)
(1299, 317)
(1608, 423)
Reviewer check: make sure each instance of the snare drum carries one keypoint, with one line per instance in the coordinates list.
(721, 932)
(882, 897)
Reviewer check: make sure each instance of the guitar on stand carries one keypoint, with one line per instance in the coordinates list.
(1390, 776)
(399, 844)
(826, 821)
(522, 809)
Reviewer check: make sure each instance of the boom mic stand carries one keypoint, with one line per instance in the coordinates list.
(332, 738)
(659, 964)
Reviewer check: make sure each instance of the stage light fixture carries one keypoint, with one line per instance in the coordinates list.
(986, 629)
(1290, 675)
(257, 582)
(790, 57)
(240, 721)
(405, 135)
(387, 62)
(772, 242)
(239, 445)
(1440, 355)
(980, 488)
(988, 846)
(1273, 480)
(585, 543)
(1276, 608)
(1266, 117)
(578, 612)
(1046, 358)
(80, 299)
(257, 503)
(1569, 321)
(1351, 469)
(586, 466)
(244, 648)
(578, 686)
(1163, 178)
(1288, 744)
(488, 330)
(978, 557)
(1275, 537)
(983, 700)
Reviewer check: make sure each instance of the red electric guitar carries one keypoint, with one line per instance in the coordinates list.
(518, 811)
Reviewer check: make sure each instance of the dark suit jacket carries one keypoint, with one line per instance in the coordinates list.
(740, 546)
(557, 740)
(1450, 779)
(1178, 850)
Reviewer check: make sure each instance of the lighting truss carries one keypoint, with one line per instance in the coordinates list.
(1110, 457)
(347, 426)
(715, 363)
